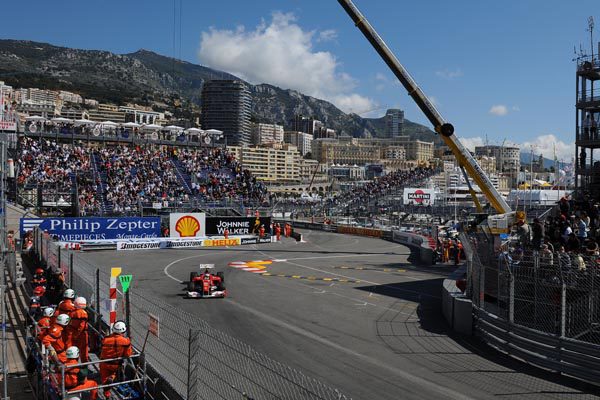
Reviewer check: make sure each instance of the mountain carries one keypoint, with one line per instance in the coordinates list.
(148, 78)
(526, 160)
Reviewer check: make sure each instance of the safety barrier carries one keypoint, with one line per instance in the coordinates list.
(425, 245)
(542, 307)
(187, 357)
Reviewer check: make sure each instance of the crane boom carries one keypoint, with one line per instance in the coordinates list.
(446, 130)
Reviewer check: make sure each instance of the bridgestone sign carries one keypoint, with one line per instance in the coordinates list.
(422, 197)
(138, 245)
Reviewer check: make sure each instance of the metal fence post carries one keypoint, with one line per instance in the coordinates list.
(4, 341)
(59, 259)
(511, 299)
(98, 307)
(127, 312)
(70, 270)
(481, 285)
(563, 309)
(192, 384)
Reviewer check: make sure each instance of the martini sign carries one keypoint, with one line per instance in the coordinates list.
(420, 197)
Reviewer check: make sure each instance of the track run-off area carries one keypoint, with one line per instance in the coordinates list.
(350, 311)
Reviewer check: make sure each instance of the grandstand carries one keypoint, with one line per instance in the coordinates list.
(121, 178)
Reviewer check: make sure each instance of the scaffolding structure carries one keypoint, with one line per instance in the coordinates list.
(587, 121)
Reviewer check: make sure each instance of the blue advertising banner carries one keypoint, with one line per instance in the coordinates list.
(74, 229)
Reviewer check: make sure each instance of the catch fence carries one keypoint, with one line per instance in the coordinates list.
(542, 306)
(194, 360)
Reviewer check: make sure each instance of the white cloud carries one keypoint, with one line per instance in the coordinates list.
(355, 103)
(470, 143)
(499, 110)
(381, 77)
(327, 35)
(544, 144)
(281, 53)
(449, 74)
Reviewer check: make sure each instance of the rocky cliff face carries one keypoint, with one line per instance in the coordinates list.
(149, 78)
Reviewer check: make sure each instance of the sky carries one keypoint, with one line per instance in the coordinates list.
(500, 72)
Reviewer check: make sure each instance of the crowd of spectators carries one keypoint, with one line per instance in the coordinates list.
(573, 232)
(382, 186)
(50, 164)
(127, 175)
(217, 175)
(136, 174)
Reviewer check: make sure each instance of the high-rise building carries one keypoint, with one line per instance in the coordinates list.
(227, 106)
(508, 159)
(267, 133)
(275, 162)
(299, 139)
(394, 123)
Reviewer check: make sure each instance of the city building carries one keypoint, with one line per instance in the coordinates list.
(394, 122)
(70, 97)
(226, 106)
(301, 140)
(107, 112)
(267, 133)
(508, 159)
(306, 125)
(74, 113)
(313, 127)
(91, 103)
(141, 115)
(34, 95)
(347, 172)
(6, 100)
(307, 169)
(46, 109)
(394, 153)
(418, 150)
(275, 163)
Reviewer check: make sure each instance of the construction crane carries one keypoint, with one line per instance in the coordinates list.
(499, 223)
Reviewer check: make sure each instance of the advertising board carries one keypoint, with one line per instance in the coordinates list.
(236, 225)
(95, 228)
(8, 126)
(222, 242)
(183, 225)
(422, 197)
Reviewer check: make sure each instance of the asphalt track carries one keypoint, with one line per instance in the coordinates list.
(352, 312)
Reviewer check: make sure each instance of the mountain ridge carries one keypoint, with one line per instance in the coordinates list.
(148, 78)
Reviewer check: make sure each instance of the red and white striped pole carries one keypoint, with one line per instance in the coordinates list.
(114, 273)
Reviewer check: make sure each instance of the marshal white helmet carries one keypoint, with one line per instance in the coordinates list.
(63, 319)
(69, 294)
(119, 327)
(80, 302)
(48, 311)
(73, 352)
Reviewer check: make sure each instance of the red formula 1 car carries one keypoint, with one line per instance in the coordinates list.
(206, 284)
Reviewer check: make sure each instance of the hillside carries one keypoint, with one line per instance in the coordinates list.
(147, 78)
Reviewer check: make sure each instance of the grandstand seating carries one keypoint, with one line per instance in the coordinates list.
(114, 179)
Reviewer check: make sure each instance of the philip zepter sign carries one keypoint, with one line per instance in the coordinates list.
(79, 229)
(423, 197)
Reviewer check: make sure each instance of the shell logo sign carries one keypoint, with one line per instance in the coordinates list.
(187, 225)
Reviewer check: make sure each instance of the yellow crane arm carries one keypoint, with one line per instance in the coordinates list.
(443, 128)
